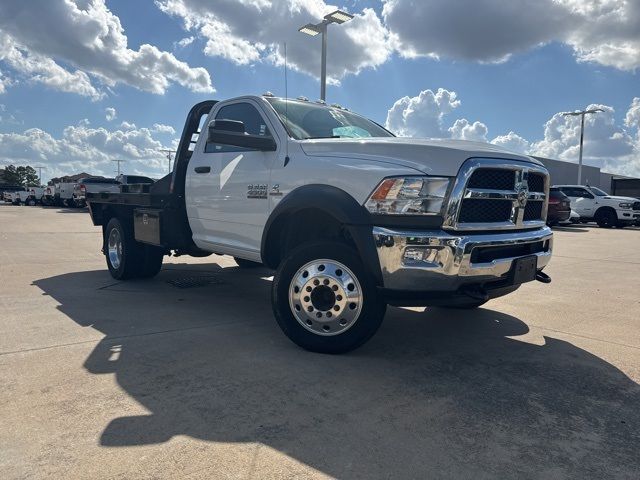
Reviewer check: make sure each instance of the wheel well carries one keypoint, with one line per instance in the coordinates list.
(601, 210)
(289, 231)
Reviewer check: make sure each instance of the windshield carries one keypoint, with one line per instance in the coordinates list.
(598, 192)
(306, 120)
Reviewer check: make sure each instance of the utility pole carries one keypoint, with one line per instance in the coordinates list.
(169, 154)
(119, 162)
(339, 17)
(582, 115)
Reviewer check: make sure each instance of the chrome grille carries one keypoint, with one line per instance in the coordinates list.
(498, 194)
(493, 178)
(536, 182)
(479, 210)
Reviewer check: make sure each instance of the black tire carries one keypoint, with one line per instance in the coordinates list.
(242, 263)
(152, 261)
(363, 326)
(135, 259)
(32, 202)
(606, 218)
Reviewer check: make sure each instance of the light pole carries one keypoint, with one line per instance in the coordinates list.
(581, 114)
(312, 29)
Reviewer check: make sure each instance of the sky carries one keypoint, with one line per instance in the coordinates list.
(87, 82)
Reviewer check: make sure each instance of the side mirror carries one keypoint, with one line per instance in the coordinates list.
(232, 132)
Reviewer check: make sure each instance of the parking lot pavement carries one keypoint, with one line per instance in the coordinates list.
(103, 379)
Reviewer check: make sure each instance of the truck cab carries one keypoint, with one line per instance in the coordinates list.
(350, 217)
(594, 204)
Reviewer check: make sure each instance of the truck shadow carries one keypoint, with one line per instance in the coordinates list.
(435, 394)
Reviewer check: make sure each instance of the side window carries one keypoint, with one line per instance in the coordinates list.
(246, 113)
(584, 193)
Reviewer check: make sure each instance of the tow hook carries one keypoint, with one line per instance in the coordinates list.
(543, 277)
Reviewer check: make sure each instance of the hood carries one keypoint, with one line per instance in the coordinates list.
(621, 199)
(429, 156)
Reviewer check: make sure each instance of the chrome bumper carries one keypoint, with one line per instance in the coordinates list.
(440, 261)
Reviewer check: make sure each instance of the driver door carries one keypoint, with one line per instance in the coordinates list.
(233, 201)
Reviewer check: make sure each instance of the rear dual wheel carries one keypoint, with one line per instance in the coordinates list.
(127, 258)
(324, 300)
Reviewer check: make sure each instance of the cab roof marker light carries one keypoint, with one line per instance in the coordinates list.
(302, 98)
(268, 94)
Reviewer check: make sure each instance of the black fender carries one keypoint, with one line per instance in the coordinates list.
(334, 202)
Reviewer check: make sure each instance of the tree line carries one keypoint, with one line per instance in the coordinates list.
(23, 176)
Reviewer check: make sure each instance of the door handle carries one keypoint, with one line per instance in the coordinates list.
(202, 169)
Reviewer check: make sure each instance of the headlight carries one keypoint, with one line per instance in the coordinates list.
(626, 205)
(409, 196)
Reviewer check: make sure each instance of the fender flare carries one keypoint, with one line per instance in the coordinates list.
(338, 204)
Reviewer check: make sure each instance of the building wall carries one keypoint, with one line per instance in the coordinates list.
(566, 173)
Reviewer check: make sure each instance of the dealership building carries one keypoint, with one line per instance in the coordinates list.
(566, 173)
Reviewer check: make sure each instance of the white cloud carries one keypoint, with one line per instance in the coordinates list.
(185, 42)
(463, 130)
(4, 82)
(166, 129)
(82, 148)
(41, 69)
(602, 31)
(424, 116)
(246, 32)
(512, 141)
(608, 144)
(90, 37)
(110, 114)
(127, 126)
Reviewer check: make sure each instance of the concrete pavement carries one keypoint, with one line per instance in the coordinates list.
(144, 379)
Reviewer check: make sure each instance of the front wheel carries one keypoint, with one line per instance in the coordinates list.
(606, 218)
(324, 300)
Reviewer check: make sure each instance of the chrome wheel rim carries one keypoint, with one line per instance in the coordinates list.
(115, 248)
(325, 297)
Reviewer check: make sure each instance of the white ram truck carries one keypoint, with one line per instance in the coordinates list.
(35, 196)
(93, 185)
(350, 217)
(49, 196)
(594, 204)
(64, 194)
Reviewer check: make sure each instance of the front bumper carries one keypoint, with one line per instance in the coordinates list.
(452, 261)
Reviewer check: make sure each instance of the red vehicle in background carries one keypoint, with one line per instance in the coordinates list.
(559, 207)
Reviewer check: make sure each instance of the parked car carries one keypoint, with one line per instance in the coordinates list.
(93, 185)
(5, 190)
(594, 204)
(559, 208)
(12, 197)
(48, 198)
(34, 196)
(350, 217)
(64, 194)
(21, 197)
